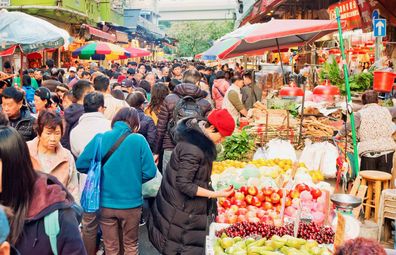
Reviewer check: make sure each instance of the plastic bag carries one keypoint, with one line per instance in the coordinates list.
(260, 154)
(281, 149)
(150, 188)
(328, 163)
(90, 198)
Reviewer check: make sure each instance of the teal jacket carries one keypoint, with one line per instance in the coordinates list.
(131, 165)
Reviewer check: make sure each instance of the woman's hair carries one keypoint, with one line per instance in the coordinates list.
(141, 90)
(173, 83)
(361, 246)
(18, 178)
(129, 115)
(135, 99)
(370, 97)
(26, 80)
(116, 93)
(158, 94)
(49, 119)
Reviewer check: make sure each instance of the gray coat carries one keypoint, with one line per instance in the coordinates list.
(251, 94)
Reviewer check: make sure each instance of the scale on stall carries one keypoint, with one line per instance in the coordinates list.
(345, 204)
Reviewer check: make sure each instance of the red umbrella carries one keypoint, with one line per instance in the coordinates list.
(136, 52)
(257, 38)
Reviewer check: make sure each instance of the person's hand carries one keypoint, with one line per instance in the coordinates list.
(156, 158)
(225, 192)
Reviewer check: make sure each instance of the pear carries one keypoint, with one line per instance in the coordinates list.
(227, 242)
(249, 241)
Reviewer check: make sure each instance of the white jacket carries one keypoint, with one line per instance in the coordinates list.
(89, 125)
(113, 105)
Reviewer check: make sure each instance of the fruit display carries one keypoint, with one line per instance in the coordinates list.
(306, 231)
(276, 245)
(283, 164)
(251, 204)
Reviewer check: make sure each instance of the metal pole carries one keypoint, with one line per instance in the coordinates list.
(348, 90)
(280, 59)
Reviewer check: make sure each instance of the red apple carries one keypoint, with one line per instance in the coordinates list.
(239, 196)
(242, 211)
(244, 190)
(225, 203)
(267, 198)
(260, 196)
(288, 202)
(268, 191)
(233, 192)
(240, 203)
(252, 190)
(267, 206)
(248, 199)
(295, 194)
(256, 202)
(232, 200)
(301, 187)
(266, 219)
(275, 198)
(280, 192)
(234, 208)
(232, 219)
(316, 193)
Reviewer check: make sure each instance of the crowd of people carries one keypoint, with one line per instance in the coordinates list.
(149, 117)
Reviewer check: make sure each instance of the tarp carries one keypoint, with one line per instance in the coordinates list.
(30, 33)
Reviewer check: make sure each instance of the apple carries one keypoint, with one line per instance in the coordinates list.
(301, 187)
(234, 208)
(239, 196)
(267, 206)
(267, 219)
(244, 190)
(260, 195)
(260, 213)
(250, 214)
(225, 203)
(275, 198)
(221, 218)
(316, 193)
(251, 208)
(240, 203)
(232, 218)
(295, 194)
(252, 190)
(256, 202)
(278, 208)
(242, 211)
(233, 192)
(254, 220)
(268, 191)
(280, 192)
(248, 199)
(232, 200)
(242, 218)
(267, 198)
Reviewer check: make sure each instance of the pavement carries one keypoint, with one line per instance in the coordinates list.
(145, 247)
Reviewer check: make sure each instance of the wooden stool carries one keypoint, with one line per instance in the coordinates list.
(387, 210)
(375, 181)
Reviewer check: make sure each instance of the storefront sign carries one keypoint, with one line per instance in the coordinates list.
(349, 12)
(121, 37)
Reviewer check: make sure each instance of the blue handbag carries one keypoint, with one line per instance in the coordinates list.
(90, 198)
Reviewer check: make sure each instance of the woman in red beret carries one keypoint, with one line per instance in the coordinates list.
(179, 215)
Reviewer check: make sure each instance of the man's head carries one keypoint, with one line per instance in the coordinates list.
(151, 79)
(7, 67)
(12, 102)
(50, 64)
(30, 73)
(201, 69)
(130, 73)
(86, 75)
(165, 71)
(38, 75)
(80, 89)
(72, 72)
(176, 70)
(248, 77)
(138, 77)
(102, 84)
(94, 102)
(80, 70)
(142, 69)
(237, 80)
(94, 67)
(191, 76)
(132, 64)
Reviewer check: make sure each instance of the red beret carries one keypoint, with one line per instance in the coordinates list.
(222, 121)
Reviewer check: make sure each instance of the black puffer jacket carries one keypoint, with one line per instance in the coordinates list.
(178, 220)
(72, 115)
(147, 128)
(24, 124)
(166, 112)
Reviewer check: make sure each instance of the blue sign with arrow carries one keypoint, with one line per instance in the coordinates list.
(379, 27)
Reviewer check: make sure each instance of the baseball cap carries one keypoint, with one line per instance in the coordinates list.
(222, 121)
(72, 69)
(43, 93)
(4, 226)
(127, 83)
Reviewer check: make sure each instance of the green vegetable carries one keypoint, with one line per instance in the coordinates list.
(237, 147)
(333, 73)
(361, 82)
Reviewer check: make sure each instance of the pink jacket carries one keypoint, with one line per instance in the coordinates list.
(220, 87)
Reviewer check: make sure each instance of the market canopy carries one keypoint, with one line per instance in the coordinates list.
(257, 38)
(29, 33)
(101, 51)
(137, 52)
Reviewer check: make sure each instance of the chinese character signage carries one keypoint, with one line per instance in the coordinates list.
(349, 12)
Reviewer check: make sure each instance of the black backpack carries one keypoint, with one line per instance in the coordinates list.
(185, 107)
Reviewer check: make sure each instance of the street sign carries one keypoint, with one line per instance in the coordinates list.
(375, 15)
(379, 27)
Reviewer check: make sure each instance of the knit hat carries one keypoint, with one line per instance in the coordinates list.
(4, 227)
(222, 121)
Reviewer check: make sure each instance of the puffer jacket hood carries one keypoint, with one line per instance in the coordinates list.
(73, 113)
(188, 89)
